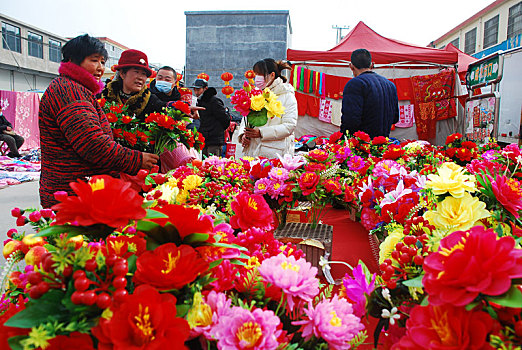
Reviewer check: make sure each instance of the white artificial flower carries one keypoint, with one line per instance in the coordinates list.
(392, 315)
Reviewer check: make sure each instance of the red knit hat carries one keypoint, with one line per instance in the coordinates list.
(134, 59)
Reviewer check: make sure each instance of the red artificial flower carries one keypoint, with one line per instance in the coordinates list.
(393, 152)
(116, 109)
(117, 133)
(362, 135)
(145, 320)
(336, 136)
(102, 102)
(469, 144)
(75, 340)
(8, 332)
(446, 327)
(508, 193)
(126, 119)
(125, 246)
(182, 106)
(471, 263)
(308, 182)
(169, 267)
(379, 140)
(259, 171)
(315, 167)
(463, 154)
(111, 117)
(349, 194)
(250, 211)
(334, 186)
(185, 219)
(452, 138)
(102, 200)
(318, 155)
(130, 138)
(165, 122)
(450, 152)
(142, 136)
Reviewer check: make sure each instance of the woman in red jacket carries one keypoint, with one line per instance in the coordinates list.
(75, 136)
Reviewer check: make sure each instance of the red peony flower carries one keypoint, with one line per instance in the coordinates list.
(165, 122)
(469, 263)
(334, 186)
(508, 193)
(469, 144)
(379, 140)
(145, 320)
(116, 109)
(318, 155)
(102, 200)
(308, 182)
(393, 152)
(250, 211)
(362, 135)
(117, 133)
(130, 138)
(315, 167)
(336, 136)
(446, 327)
(169, 267)
(182, 106)
(111, 117)
(8, 332)
(185, 219)
(76, 341)
(452, 138)
(125, 246)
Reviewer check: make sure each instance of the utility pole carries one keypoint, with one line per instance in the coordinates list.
(340, 32)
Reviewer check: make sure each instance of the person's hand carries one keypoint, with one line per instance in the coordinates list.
(194, 115)
(9, 128)
(252, 133)
(194, 111)
(245, 141)
(149, 160)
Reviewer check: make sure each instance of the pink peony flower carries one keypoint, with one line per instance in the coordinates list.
(291, 162)
(357, 287)
(369, 218)
(355, 163)
(276, 189)
(280, 174)
(343, 153)
(508, 193)
(295, 277)
(261, 186)
(332, 320)
(244, 329)
(219, 306)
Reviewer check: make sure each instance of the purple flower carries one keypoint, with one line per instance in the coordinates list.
(355, 163)
(489, 155)
(332, 320)
(357, 287)
(279, 174)
(244, 329)
(297, 278)
(343, 153)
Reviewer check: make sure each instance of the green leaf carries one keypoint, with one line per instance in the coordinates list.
(182, 310)
(56, 230)
(96, 231)
(131, 261)
(414, 282)
(215, 263)
(146, 225)
(257, 118)
(425, 301)
(196, 237)
(153, 214)
(512, 298)
(472, 305)
(39, 311)
(15, 342)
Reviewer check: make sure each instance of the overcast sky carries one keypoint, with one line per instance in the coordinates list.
(157, 27)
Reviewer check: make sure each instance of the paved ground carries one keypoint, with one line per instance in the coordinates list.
(22, 196)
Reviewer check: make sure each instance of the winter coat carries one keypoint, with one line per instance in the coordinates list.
(174, 96)
(277, 135)
(370, 104)
(75, 136)
(214, 120)
(140, 105)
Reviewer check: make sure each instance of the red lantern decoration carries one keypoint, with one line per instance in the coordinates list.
(250, 75)
(203, 76)
(226, 77)
(227, 90)
(179, 76)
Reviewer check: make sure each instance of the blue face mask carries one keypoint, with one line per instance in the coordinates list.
(163, 86)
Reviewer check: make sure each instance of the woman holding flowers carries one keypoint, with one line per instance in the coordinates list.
(277, 135)
(75, 136)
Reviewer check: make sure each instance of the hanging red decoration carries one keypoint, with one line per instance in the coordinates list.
(203, 76)
(227, 90)
(250, 75)
(179, 76)
(226, 77)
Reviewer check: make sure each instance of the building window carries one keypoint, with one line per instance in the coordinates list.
(491, 32)
(470, 39)
(35, 44)
(455, 42)
(55, 50)
(515, 21)
(11, 37)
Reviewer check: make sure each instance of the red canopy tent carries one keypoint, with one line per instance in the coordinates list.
(464, 60)
(383, 50)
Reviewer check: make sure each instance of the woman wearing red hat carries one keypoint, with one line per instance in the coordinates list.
(75, 136)
(129, 87)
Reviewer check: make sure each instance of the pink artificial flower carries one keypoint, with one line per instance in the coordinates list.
(280, 174)
(290, 162)
(219, 305)
(244, 329)
(225, 276)
(275, 189)
(261, 186)
(297, 278)
(508, 193)
(357, 287)
(355, 163)
(369, 218)
(383, 168)
(332, 320)
(343, 153)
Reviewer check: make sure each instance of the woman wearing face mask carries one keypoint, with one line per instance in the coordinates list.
(277, 135)
(75, 136)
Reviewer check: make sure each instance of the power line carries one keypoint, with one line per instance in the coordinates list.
(339, 32)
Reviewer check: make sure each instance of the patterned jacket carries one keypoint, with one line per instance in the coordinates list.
(75, 136)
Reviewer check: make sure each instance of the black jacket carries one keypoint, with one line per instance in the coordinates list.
(214, 119)
(174, 96)
(4, 123)
(370, 104)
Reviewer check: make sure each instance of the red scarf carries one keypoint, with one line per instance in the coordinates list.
(80, 75)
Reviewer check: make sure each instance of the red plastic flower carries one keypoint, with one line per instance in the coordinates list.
(8, 332)
(318, 155)
(76, 341)
(334, 186)
(452, 138)
(469, 263)
(169, 266)
(379, 140)
(393, 152)
(250, 211)
(130, 138)
(102, 200)
(362, 135)
(446, 327)
(508, 192)
(111, 117)
(308, 183)
(125, 246)
(185, 219)
(336, 136)
(182, 106)
(146, 320)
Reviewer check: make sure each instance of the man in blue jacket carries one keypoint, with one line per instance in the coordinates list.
(370, 101)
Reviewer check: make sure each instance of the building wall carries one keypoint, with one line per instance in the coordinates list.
(21, 72)
(232, 41)
(502, 10)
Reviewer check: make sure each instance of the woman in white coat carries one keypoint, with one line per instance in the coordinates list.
(277, 135)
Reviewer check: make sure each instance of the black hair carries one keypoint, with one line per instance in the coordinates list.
(361, 58)
(77, 49)
(269, 66)
(169, 68)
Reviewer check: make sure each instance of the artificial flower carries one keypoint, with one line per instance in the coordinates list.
(508, 192)
(275, 108)
(450, 178)
(290, 162)
(250, 211)
(186, 220)
(258, 102)
(389, 243)
(125, 246)
(471, 263)
(101, 200)
(357, 287)
(308, 182)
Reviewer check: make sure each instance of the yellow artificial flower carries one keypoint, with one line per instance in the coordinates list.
(451, 178)
(275, 109)
(172, 182)
(388, 245)
(257, 102)
(191, 182)
(200, 314)
(182, 196)
(457, 214)
(168, 193)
